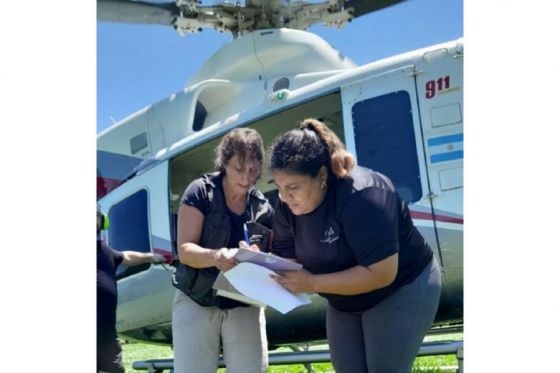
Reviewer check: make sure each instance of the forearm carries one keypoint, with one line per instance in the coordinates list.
(132, 258)
(358, 279)
(195, 256)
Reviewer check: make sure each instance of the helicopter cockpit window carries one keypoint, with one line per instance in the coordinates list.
(128, 229)
(385, 141)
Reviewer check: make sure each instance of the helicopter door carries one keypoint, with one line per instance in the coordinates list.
(382, 129)
(138, 213)
(440, 90)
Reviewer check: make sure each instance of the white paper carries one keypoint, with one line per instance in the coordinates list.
(255, 282)
(267, 260)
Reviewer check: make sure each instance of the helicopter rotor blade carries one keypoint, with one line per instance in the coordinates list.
(130, 11)
(362, 7)
(190, 16)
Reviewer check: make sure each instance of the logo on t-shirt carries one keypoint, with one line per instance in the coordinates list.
(329, 236)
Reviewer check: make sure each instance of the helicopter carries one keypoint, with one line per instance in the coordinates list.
(401, 115)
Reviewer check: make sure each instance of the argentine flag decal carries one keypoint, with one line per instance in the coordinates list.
(446, 148)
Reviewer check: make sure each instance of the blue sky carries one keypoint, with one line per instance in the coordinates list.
(140, 65)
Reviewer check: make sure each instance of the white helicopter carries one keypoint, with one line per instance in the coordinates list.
(402, 116)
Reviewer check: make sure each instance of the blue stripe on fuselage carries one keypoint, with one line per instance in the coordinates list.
(446, 156)
(445, 139)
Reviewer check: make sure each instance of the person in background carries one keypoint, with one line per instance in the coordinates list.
(359, 249)
(109, 353)
(211, 216)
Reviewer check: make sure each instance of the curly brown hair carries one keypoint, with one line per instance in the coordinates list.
(245, 142)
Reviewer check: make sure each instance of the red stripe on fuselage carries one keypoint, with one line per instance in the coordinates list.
(105, 185)
(428, 216)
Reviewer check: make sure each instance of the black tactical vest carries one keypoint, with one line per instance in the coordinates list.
(197, 282)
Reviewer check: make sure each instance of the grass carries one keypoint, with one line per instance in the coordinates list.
(427, 364)
(142, 351)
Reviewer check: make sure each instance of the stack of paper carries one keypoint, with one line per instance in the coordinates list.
(251, 283)
(225, 289)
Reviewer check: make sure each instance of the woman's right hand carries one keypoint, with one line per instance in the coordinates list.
(223, 259)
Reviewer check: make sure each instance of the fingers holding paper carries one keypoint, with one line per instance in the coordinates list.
(223, 260)
(245, 245)
(300, 281)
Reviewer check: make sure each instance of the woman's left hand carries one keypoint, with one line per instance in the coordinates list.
(245, 245)
(300, 281)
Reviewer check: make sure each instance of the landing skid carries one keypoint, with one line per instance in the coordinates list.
(307, 357)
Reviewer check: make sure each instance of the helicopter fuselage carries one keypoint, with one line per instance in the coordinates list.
(401, 116)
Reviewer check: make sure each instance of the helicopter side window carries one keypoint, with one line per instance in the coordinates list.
(385, 141)
(128, 229)
(199, 116)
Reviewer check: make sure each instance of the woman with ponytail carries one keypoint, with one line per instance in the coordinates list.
(359, 249)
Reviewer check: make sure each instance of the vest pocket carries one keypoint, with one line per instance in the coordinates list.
(196, 283)
(215, 232)
(202, 292)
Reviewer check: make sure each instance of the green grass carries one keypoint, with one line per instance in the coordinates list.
(434, 364)
(428, 364)
(142, 351)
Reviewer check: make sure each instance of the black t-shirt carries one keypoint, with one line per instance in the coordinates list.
(196, 195)
(361, 221)
(107, 262)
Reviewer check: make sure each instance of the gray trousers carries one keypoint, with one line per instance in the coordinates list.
(385, 338)
(198, 331)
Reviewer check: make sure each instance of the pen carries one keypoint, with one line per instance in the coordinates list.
(246, 232)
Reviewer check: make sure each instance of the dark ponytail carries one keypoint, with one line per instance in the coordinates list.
(306, 150)
(341, 162)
